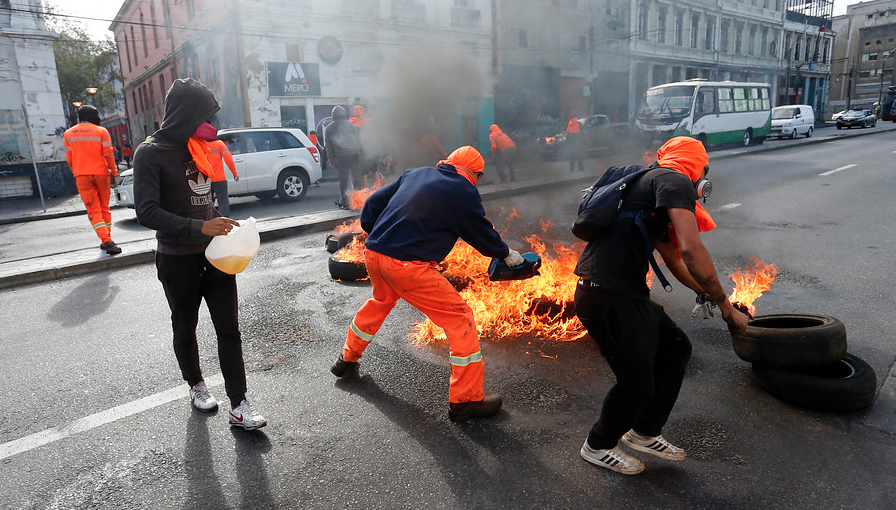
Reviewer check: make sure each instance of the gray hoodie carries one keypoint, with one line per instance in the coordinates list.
(170, 193)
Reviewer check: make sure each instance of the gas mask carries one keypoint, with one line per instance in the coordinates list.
(703, 186)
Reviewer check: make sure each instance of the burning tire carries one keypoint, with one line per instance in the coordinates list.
(845, 386)
(792, 341)
(347, 270)
(336, 242)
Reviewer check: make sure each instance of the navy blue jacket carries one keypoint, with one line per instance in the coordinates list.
(420, 216)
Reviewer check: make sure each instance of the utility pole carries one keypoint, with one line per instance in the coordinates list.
(880, 94)
(849, 87)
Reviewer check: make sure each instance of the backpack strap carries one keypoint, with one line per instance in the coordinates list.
(648, 245)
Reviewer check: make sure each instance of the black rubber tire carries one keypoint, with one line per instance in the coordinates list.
(292, 184)
(266, 195)
(845, 386)
(346, 239)
(809, 132)
(346, 271)
(792, 341)
(748, 137)
(331, 242)
(702, 139)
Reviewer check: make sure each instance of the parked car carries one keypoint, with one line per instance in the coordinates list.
(792, 121)
(269, 161)
(854, 118)
(598, 135)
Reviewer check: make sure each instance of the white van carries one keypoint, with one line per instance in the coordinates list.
(792, 120)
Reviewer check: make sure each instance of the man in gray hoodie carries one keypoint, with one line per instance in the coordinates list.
(172, 191)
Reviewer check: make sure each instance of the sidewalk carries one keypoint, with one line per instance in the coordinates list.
(78, 262)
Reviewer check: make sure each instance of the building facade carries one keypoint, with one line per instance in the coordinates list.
(808, 53)
(32, 120)
(863, 55)
(424, 65)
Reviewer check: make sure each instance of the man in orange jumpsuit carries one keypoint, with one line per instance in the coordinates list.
(217, 157)
(412, 224)
(503, 152)
(574, 144)
(88, 151)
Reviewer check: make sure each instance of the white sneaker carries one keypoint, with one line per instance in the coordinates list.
(202, 399)
(657, 446)
(246, 416)
(614, 460)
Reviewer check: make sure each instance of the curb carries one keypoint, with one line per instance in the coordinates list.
(805, 141)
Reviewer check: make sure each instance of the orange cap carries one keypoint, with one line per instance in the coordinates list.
(466, 158)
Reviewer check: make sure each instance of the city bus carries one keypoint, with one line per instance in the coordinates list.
(713, 112)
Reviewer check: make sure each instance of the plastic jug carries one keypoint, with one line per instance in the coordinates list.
(498, 270)
(233, 252)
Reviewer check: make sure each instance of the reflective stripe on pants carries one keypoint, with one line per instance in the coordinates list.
(425, 289)
(95, 193)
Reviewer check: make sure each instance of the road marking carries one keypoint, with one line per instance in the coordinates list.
(728, 206)
(93, 421)
(831, 172)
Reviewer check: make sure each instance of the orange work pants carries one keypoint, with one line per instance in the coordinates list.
(95, 193)
(427, 290)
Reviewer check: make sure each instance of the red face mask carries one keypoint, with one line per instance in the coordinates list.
(206, 131)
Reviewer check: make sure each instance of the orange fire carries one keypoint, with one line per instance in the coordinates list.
(749, 285)
(540, 306)
(356, 198)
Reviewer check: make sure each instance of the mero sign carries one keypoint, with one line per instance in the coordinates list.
(289, 79)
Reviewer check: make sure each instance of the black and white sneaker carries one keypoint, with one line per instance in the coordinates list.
(202, 399)
(657, 446)
(614, 460)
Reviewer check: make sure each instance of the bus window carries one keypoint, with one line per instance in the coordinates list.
(740, 102)
(755, 102)
(705, 101)
(725, 103)
(766, 105)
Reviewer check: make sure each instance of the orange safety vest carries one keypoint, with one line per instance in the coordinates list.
(219, 155)
(573, 126)
(88, 150)
(500, 141)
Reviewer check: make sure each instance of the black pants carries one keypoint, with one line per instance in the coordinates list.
(187, 279)
(506, 159)
(648, 354)
(348, 168)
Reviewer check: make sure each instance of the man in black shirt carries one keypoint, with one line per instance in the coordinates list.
(647, 352)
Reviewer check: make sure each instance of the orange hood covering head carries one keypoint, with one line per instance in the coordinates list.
(467, 162)
(495, 128)
(359, 110)
(687, 156)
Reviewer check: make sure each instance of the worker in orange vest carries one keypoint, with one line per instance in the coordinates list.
(503, 152)
(359, 117)
(88, 151)
(401, 259)
(574, 144)
(219, 155)
(126, 154)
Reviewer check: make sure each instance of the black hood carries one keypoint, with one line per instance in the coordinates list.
(187, 104)
(88, 113)
(339, 113)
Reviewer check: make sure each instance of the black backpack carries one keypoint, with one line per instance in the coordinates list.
(602, 206)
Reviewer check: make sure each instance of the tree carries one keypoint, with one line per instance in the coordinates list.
(82, 63)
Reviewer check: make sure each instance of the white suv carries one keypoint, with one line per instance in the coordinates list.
(269, 161)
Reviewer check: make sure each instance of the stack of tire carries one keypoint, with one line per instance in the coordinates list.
(802, 360)
(344, 270)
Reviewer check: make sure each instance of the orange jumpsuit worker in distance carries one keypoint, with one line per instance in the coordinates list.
(218, 155)
(503, 151)
(574, 144)
(412, 224)
(359, 117)
(88, 151)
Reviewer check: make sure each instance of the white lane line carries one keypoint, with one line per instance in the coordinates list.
(831, 172)
(894, 152)
(728, 206)
(93, 421)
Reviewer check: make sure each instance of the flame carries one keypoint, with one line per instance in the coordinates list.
(748, 286)
(546, 225)
(354, 251)
(356, 198)
(550, 140)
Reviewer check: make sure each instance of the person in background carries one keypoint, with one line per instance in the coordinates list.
(313, 137)
(344, 153)
(321, 141)
(172, 191)
(88, 152)
(218, 156)
(646, 350)
(401, 259)
(503, 152)
(574, 145)
(126, 154)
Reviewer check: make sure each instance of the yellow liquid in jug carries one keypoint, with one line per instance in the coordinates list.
(231, 264)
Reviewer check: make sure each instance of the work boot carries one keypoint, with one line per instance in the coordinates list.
(345, 369)
(465, 410)
(110, 247)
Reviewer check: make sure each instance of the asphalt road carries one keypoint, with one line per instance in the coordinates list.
(89, 360)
